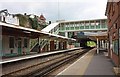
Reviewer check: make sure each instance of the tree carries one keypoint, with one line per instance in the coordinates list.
(23, 20)
(33, 22)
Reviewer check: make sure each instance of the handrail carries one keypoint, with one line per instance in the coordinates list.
(45, 42)
(33, 43)
(33, 46)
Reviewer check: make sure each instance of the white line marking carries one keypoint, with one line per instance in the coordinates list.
(72, 64)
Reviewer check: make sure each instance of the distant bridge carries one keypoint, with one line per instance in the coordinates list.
(96, 27)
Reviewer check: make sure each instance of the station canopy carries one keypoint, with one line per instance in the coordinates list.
(16, 30)
(95, 35)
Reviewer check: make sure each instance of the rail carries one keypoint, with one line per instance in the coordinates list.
(42, 68)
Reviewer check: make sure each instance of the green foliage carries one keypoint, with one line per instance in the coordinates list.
(33, 42)
(33, 22)
(42, 26)
(23, 20)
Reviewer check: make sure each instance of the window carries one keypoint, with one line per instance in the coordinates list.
(87, 24)
(113, 9)
(115, 47)
(109, 18)
(102, 26)
(86, 27)
(0, 18)
(92, 27)
(97, 23)
(11, 42)
(81, 27)
(92, 23)
(114, 34)
(25, 42)
(115, 25)
(97, 26)
(3, 19)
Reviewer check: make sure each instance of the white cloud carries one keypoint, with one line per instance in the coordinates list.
(68, 9)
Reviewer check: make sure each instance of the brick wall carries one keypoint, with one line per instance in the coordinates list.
(113, 12)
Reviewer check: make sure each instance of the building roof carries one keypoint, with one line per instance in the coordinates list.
(109, 4)
(107, 8)
(77, 21)
(50, 27)
(96, 33)
(42, 17)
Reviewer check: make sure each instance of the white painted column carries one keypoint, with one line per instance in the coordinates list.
(57, 45)
(102, 43)
(97, 46)
(66, 34)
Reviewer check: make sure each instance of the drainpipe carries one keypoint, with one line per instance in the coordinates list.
(118, 37)
(118, 50)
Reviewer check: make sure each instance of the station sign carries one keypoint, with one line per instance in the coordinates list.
(81, 35)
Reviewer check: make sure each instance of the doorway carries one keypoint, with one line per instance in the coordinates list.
(19, 46)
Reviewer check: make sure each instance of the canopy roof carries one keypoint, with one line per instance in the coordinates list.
(16, 30)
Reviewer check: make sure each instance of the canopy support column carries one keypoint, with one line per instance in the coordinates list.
(97, 46)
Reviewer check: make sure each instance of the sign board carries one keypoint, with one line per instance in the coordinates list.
(81, 35)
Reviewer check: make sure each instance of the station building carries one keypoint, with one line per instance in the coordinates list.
(16, 40)
(113, 15)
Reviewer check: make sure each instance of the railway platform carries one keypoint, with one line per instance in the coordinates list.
(90, 64)
(24, 57)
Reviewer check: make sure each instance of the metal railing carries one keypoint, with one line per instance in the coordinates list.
(34, 44)
(43, 44)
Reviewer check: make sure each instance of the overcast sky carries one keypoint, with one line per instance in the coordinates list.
(58, 9)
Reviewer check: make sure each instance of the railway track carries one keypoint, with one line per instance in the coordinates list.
(45, 72)
(43, 69)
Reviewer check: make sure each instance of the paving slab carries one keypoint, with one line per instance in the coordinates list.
(100, 65)
(90, 65)
(80, 66)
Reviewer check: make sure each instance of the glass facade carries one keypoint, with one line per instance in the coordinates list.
(82, 25)
(97, 26)
(92, 27)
